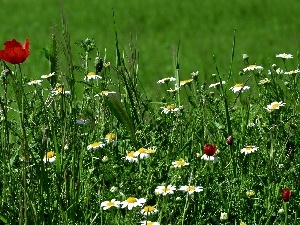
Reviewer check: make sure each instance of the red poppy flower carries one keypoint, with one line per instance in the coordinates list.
(15, 52)
(209, 149)
(286, 194)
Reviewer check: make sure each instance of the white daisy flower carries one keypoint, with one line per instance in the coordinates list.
(185, 82)
(35, 82)
(209, 158)
(60, 90)
(292, 72)
(48, 75)
(147, 222)
(252, 67)
(92, 76)
(216, 84)
(180, 163)
(133, 202)
(274, 105)
(191, 189)
(164, 190)
(148, 210)
(249, 149)
(111, 138)
(239, 87)
(49, 157)
(95, 145)
(170, 109)
(142, 153)
(284, 56)
(166, 80)
(130, 157)
(108, 204)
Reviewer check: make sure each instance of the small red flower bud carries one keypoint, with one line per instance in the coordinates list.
(209, 149)
(229, 140)
(286, 194)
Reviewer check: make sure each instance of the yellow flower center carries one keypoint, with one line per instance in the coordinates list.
(239, 85)
(50, 154)
(150, 223)
(170, 107)
(91, 74)
(142, 150)
(60, 89)
(190, 188)
(165, 189)
(275, 105)
(180, 163)
(111, 136)
(249, 148)
(95, 144)
(110, 204)
(130, 154)
(252, 66)
(131, 200)
(149, 208)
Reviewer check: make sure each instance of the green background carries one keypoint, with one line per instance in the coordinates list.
(204, 28)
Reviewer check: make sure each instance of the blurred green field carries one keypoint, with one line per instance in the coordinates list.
(204, 28)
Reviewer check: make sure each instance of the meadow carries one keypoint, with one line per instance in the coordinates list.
(150, 116)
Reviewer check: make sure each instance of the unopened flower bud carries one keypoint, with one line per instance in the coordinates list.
(229, 140)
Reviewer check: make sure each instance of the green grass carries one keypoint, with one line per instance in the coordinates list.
(204, 28)
(34, 122)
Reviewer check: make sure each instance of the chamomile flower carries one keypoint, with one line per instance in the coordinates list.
(252, 67)
(106, 93)
(209, 158)
(191, 189)
(284, 56)
(185, 82)
(169, 109)
(48, 75)
(111, 138)
(164, 190)
(216, 84)
(142, 153)
(92, 76)
(35, 82)
(264, 81)
(49, 157)
(60, 90)
(274, 105)
(148, 222)
(130, 157)
(133, 202)
(82, 120)
(95, 145)
(249, 149)
(173, 90)
(166, 80)
(292, 72)
(148, 210)
(239, 88)
(108, 204)
(180, 163)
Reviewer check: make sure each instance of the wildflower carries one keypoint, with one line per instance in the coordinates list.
(82, 120)
(195, 75)
(112, 203)
(35, 82)
(151, 150)
(173, 90)
(250, 193)
(147, 222)
(209, 158)
(164, 190)
(224, 216)
(284, 56)
(229, 140)
(286, 194)
(48, 76)
(169, 109)
(264, 81)
(180, 163)
(105, 158)
(216, 84)
(239, 87)
(245, 57)
(111, 138)
(191, 189)
(130, 157)
(61, 90)
(166, 80)
(274, 105)
(281, 211)
(147, 210)
(92, 76)
(106, 93)
(252, 67)
(142, 153)
(14, 52)
(49, 157)
(184, 82)
(106, 64)
(210, 150)
(95, 145)
(133, 202)
(249, 149)
(292, 72)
